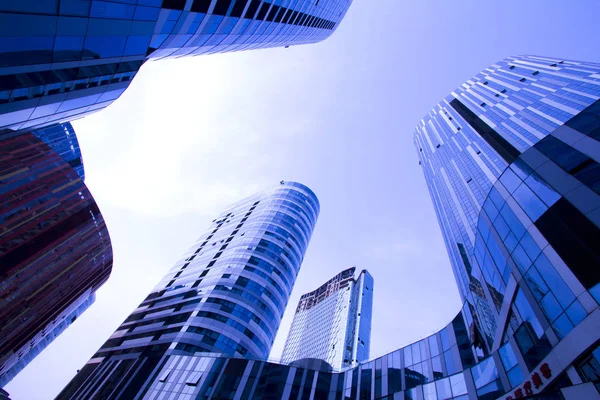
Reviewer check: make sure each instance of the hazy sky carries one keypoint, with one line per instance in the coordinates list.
(191, 136)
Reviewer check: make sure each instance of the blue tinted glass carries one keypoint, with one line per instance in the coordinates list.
(510, 180)
(68, 48)
(449, 361)
(157, 40)
(438, 371)
(526, 313)
(484, 372)
(429, 392)
(433, 346)
(146, 13)
(490, 391)
(104, 9)
(212, 24)
(521, 169)
(71, 26)
(104, 46)
(536, 284)
(501, 227)
(458, 384)
(515, 376)
(562, 326)
(595, 292)
(408, 356)
(497, 198)
(30, 47)
(513, 222)
(443, 389)
(530, 246)
(510, 242)
(483, 229)
(74, 7)
(507, 355)
(136, 45)
(227, 27)
(550, 307)
(416, 353)
(558, 286)
(547, 194)
(529, 202)
(444, 339)
(576, 312)
(521, 259)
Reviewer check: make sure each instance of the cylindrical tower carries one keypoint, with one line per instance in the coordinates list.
(236, 280)
(226, 295)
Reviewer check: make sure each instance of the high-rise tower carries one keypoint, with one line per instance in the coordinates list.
(55, 251)
(227, 295)
(333, 323)
(63, 59)
(511, 159)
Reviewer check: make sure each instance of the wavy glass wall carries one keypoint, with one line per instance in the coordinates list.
(61, 60)
(54, 244)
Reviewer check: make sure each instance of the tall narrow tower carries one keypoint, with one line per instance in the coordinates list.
(333, 323)
(226, 295)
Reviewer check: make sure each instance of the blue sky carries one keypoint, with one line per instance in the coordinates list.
(191, 136)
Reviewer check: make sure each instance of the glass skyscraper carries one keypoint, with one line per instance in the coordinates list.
(226, 295)
(63, 59)
(333, 323)
(55, 251)
(511, 161)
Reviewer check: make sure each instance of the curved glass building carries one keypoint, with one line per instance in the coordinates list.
(55, 250)
(61, 60)
(511, 163)
(511, 159)
(226, 295)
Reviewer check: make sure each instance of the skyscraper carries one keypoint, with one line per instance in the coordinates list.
(226, 295)
(513, 177)
(61, 60)
(511, 162)
(333, 323)
(55, 251)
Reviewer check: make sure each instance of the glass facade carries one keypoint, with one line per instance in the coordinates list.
(511, 163)
(55, 250)
(44, 337)
(63, 59)
(333, 323)
(62, 139)
(226, 295)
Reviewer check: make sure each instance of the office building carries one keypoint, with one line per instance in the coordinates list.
(333, 323)
(44, 337)
(225, 296)
(511, 161)
(61, 60)
(55, 251)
